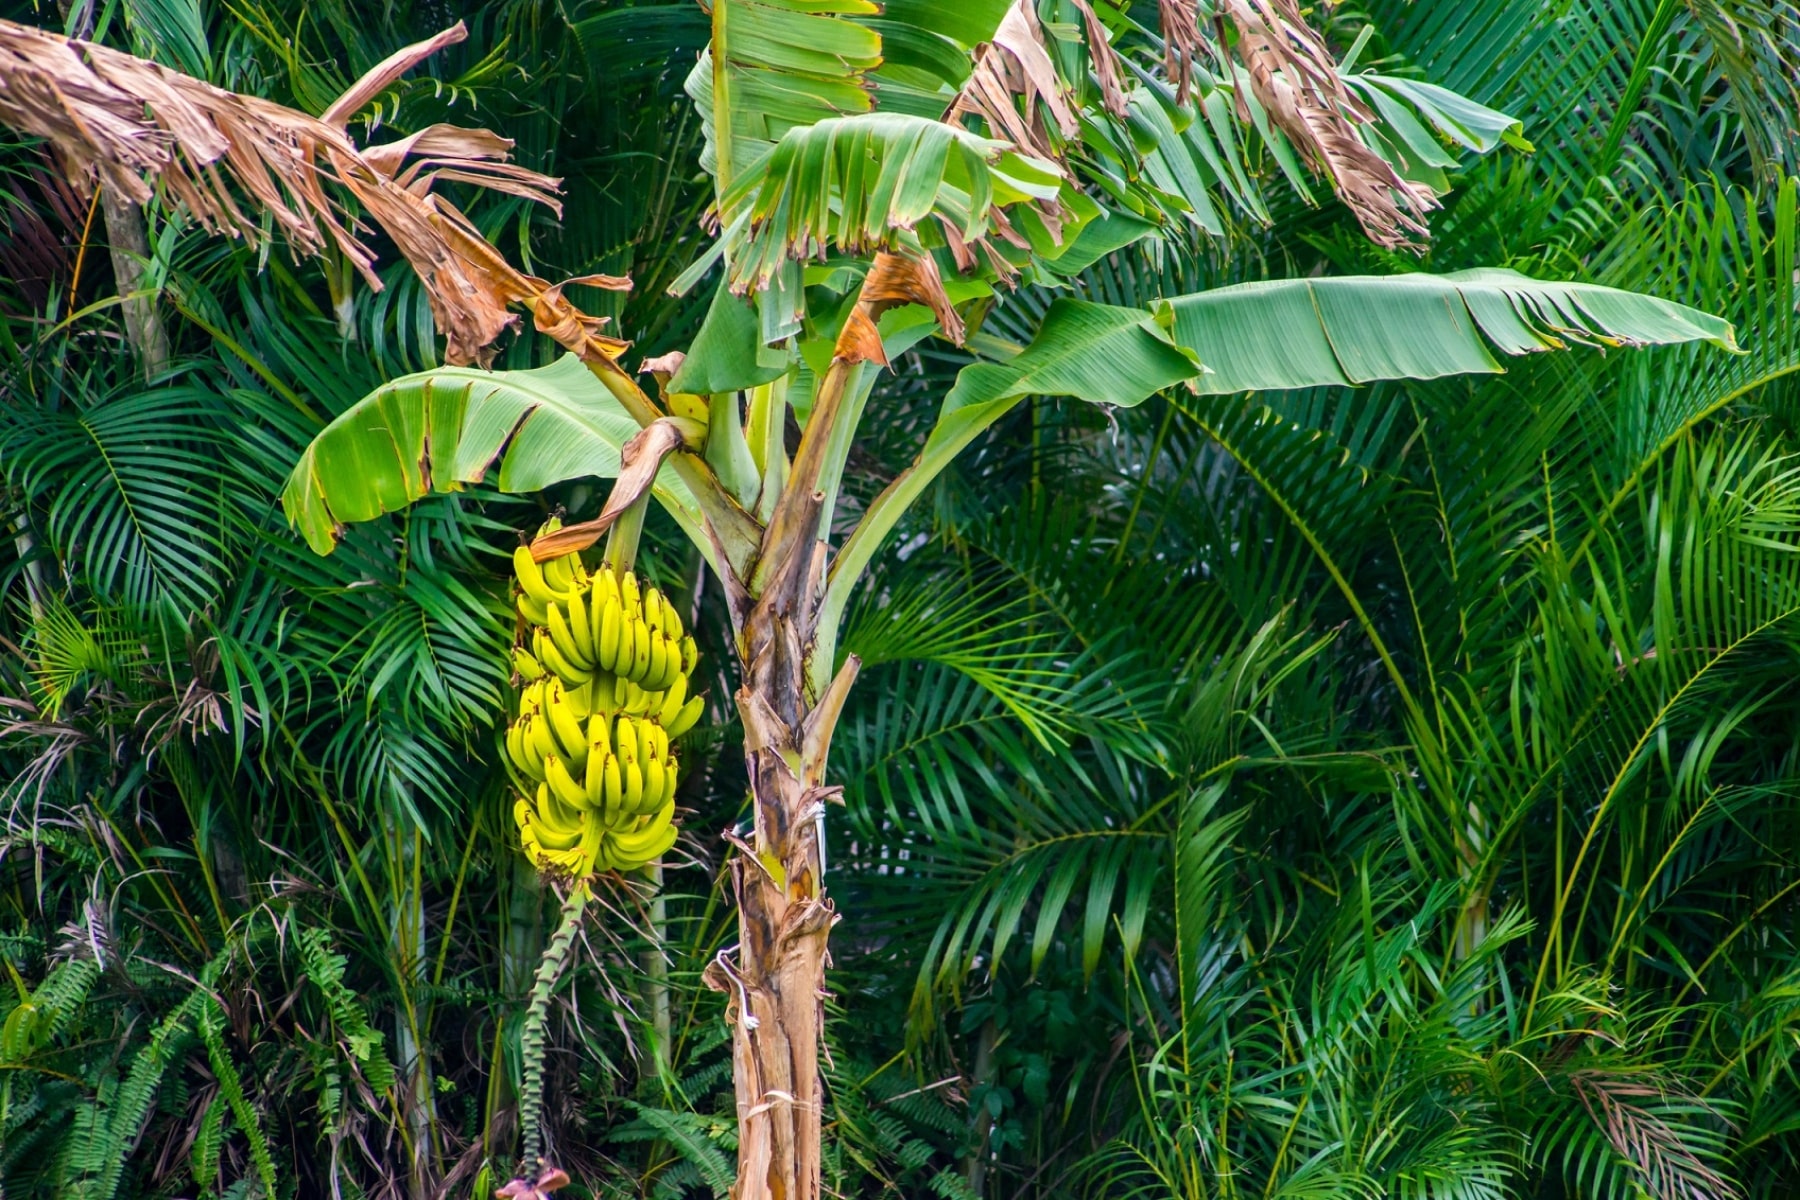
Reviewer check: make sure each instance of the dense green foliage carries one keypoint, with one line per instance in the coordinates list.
(1388, 791)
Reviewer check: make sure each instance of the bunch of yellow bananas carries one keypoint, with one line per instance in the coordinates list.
(605, 671)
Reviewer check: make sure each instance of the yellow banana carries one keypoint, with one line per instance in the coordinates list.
(525, 756)
(581, 701)
(592, 838)
(580, 628)
(571, 740)
(562, 713)
(654, 849)
(654, 680)
(550, 840)
(593, 782)
(606, 582)
(621, 654)
(640, 663)
(603, 687)
(647, 842)
(551, 657)
(607, 632)
(563, 785)
(612, 792)
(535, 612)
(540, 741)
(637, 700)
(532, 578)
(556, 827)
(558, 816)
(596, 619)
(599, 734)
(559, 572)
(672, 699)
(531, 747)
(687, 718)
(633, 777)
(631, 739)
(522, 758)
(654, 781)
(560, 633)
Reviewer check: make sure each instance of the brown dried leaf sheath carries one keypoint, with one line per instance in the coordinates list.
(127, 119)
(639, 461)
(900, 279)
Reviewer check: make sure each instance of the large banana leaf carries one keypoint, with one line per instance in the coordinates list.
(774, 65)
(1270, 336)
(1295, 333)
(440, 429)
(856, 183)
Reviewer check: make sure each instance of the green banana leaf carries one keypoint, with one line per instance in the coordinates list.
(1295, 333)
(785, 63)
(862, 182)
(440, 429)
(1270, 336)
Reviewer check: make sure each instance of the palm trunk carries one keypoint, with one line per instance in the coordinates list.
(130, 247)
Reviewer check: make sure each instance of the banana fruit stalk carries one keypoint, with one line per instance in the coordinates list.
(603, 667)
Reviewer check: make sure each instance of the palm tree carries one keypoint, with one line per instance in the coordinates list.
(994, 209)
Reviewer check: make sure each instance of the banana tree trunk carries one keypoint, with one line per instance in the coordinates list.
(776, 985)
(774, 978)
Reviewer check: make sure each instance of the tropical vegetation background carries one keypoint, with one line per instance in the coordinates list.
(1378, 792)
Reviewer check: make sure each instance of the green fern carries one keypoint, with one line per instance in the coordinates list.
(106, 1129)
(211, 1018)
(325, 969)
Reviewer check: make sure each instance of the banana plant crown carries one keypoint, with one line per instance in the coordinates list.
(887, 175)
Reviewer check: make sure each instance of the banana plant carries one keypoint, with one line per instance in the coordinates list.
(881, 177)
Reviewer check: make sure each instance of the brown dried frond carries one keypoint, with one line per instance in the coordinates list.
(1105, 61)
(129, 120)
(1665, 1166)
(1180, 21)
(1015, 67)
(1296, 81)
